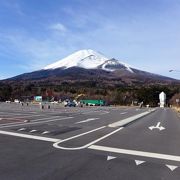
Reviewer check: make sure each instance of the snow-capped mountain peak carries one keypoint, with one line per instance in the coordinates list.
(89, 59)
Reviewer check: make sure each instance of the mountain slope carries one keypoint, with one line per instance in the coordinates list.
(88, 65)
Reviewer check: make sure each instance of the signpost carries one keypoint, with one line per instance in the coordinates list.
(177, 101)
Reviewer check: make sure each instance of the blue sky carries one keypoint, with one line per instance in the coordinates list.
(142, 33)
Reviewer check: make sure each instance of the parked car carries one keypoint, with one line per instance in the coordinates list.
(70, 104)
(8, 101)
(16, 101)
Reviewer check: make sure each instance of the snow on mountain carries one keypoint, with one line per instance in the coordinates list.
(89, 59)
(113, 64)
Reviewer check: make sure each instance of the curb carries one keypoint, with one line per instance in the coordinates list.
(130, 119)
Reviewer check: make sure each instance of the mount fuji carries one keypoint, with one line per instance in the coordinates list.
(89, 59)
(87, 66)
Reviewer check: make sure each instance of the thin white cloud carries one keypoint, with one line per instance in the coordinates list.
(13, 6)
(58, 27)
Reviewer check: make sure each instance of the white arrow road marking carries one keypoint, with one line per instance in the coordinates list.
(87, 120)
(110, 158)
(21, 129)
(157, 127)
(138, 162)
(172, 168)
(34, 130)
(45, 132)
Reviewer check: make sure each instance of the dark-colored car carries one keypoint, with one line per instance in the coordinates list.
(70, 104)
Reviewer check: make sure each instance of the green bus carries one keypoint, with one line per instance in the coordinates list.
(93, 102)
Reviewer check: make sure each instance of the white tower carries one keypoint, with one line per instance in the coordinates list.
(162, 98)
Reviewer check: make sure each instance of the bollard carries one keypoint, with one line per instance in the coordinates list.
(49, 107)
(42, 107)
(27, 104)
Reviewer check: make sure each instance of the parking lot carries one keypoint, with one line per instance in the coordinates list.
(88, 143)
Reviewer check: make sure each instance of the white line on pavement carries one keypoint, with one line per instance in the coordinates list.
(79, 135)
(38, 122)
(123, 113)
(136, 153)
(29, 136)
(41, 119)
(56, 145)
(99, 112)
(34, 130)
(21, 129)
(45, 132)
(129, 119)
(29, 116)
(14, 123)
(87, 120)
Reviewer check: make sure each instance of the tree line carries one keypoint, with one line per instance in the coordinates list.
(119, 94)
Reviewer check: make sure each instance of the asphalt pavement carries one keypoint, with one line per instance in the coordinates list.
(88, 143)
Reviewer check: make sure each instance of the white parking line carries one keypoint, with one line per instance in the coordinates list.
(21, 129)
(34, 130)
(55, 117)
(45, 132)
(30, 116)
(136, 153)
(93, 112)
(123, 113)
(14, 113)
(41, 119)
(87, 120)
(39, 122)
(29, 136)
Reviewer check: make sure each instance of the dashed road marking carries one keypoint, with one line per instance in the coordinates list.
(110, 158)
(45, 132)
(138, 162)
(171, 167)
(21, 129)
(33, 130)
(136, 153)
(34, 122)
(123, 113)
